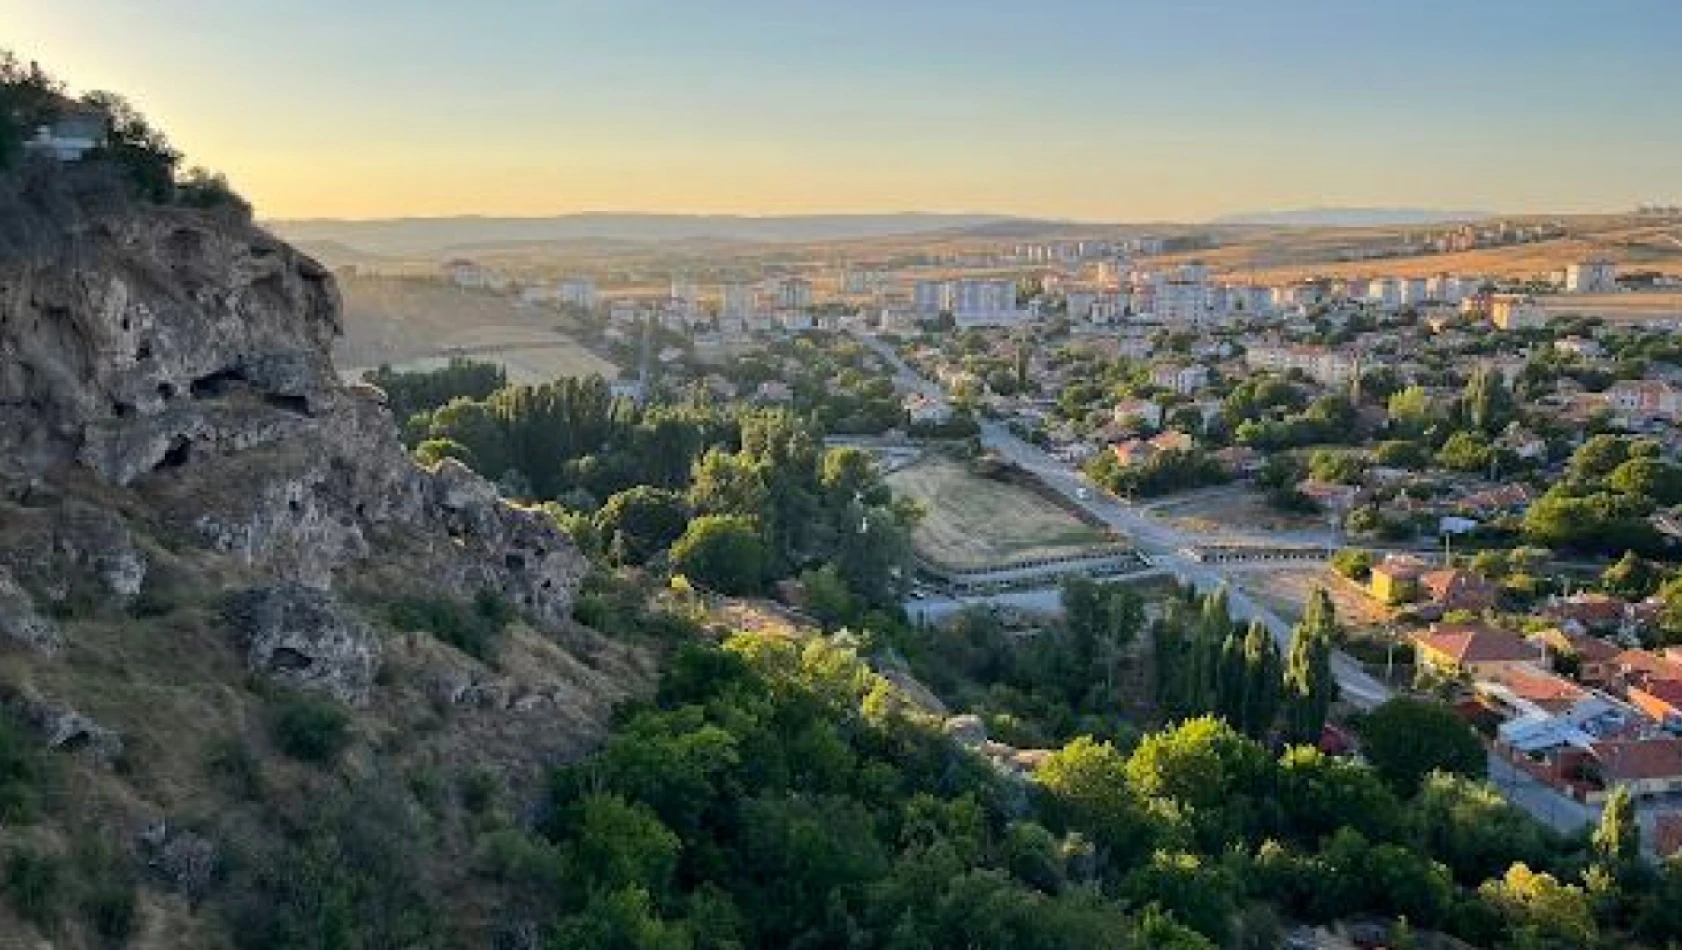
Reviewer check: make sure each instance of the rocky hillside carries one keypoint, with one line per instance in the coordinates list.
(211, 550)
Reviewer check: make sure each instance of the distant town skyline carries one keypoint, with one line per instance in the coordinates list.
(1071, 109)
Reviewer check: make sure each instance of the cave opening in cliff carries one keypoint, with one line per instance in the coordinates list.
(179, 454)
(300, 405)
(215, 384)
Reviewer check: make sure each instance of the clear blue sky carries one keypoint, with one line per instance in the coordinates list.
(1093, 109)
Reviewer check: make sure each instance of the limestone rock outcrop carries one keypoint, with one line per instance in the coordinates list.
(180, 359)
(302, 636)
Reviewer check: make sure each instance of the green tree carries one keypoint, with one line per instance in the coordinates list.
(1411, 412)
(1597, 458)
(1318, 794)
(1486, 403)
(1207, 774)
(1310, 688)
(1263, 683)
(619, 920)
(1353, 563)
(1087, 784)
(1201, 895)
(1466, 824)
(1617, 838)
(1632, 577)
(621, 844)
(1342, 467)
(141, 150)
(1467, 452)
(826, 596)
(1406, 739)
(644, 520)
(722, 552)
(1655, 482)
(1539, 907)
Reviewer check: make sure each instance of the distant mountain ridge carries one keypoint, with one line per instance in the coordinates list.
(1352, 217)
(423, 236)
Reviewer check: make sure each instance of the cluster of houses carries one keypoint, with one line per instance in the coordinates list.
(1578, 704)
(1570, 705)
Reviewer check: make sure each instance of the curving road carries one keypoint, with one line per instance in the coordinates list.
(1160, 543)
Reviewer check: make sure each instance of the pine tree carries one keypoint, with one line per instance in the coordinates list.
(1309, 687)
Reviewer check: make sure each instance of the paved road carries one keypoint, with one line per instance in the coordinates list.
(1558, 812)
(1161, 543)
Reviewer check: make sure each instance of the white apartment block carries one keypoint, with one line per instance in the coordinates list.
(1324, 365)
(931, 296)
(1412, 291)
(1446, 288)
(1299, 296)
(738, 301)
(791, 293)
(685, 297)
(795, 320)
(1592, 277)
(576, 292)
(1249, 299)
(1180, 379)
(1106, 308)
(983, 298)
(1181, 301)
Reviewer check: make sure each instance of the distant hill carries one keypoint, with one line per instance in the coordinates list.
(1352, 217)
(434, 236)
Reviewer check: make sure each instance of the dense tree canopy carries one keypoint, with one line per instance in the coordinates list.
(1407, 739)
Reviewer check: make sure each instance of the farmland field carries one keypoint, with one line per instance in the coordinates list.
(414, 324)
(976, 522)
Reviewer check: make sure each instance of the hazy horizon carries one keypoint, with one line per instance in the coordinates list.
(1076, 110)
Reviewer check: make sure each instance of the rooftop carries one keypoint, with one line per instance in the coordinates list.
(1476, 643)
(1639, 759)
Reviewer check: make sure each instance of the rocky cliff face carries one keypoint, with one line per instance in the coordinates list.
(204, 532)
(183, 359)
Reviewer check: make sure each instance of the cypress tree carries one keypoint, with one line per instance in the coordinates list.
(1309, 686)
(1263, 682)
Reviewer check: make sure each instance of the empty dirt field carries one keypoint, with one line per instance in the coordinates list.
(1230, 512)
(415, 323)
(974, 522)
(1286, 590)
